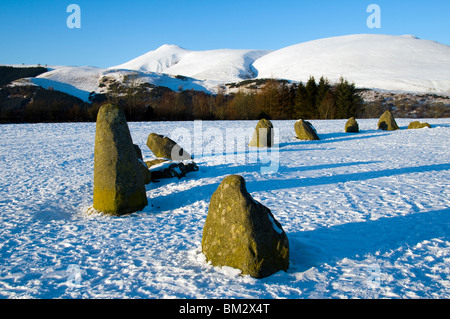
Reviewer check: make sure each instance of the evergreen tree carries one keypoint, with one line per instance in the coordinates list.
(299, 110)
(322, 89)
(311, 98)
(347, 101)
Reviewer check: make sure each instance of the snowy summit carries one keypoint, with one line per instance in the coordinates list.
(401, 63)
(378, 62)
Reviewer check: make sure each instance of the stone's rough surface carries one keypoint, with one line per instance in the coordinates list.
(138, 152)
(242, 233)
(263, 135)
(146, 173)
(118, 180)
(387, 122)
(417, 125)
(164, 147)
(305, 131)
(351, 126)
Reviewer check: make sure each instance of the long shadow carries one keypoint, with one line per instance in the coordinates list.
(332, 138)
(177, 199)
(354, 240)
(324, 180)
(193, 194)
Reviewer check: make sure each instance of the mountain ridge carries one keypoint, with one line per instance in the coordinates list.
(376, 61)
(370, 61)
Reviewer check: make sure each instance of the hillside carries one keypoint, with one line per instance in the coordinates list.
(397, 63)
(385, 63)
(224, 65)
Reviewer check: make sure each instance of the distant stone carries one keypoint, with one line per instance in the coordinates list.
(119, 186)
(418, 125)
(305, 131)
(387, 122)
(164, 147)
(241, 233)
(351, 126)
(263, 135)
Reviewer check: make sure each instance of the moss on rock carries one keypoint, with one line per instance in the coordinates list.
(164, 147)
(118, 180)
(387, 122)
(418, 125)
(242, 233)
(305, 131)
(263, 135)
(351, 126)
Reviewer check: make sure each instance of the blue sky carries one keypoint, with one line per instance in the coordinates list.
(113, 32)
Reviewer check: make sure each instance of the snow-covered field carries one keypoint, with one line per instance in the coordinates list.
(367, 215)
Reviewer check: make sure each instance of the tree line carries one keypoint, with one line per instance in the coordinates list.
(251, 100)
(266, 98)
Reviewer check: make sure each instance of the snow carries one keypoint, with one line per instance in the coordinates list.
(398, 63)
(81, 81)
(384, 62)
(381, 62)
(223, 65)
(366, 215)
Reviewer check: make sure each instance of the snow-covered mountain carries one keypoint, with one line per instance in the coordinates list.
(81, 81)
(380, 62)
(224, 65)
(400, 63)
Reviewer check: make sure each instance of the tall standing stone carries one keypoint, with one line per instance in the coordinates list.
(263, 135)
(241, 233)
(387, 122)
(118, 181)
(305, 131)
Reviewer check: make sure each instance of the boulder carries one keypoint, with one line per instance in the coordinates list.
(119, 186)
(241, 233)
(305, 131)
(387, 122)
(263, 135)
(417, 125)
(351, 126)
(164, 147)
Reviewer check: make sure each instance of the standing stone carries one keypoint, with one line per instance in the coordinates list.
(146, 174)
(164, 147)
(118, 180)
(351, 126)
(242, 233)
(418, 125)
(387, 122)
(305, 131)
(263, 135)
